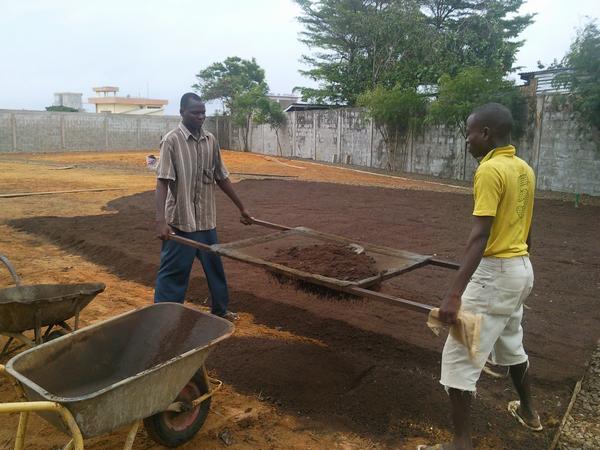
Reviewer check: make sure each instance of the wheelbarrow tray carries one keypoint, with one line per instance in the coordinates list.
(50, 304)
(122, 370)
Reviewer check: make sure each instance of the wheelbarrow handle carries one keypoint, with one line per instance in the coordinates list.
(190, 242)
(11, 269)
(408, 304)
(271, 225)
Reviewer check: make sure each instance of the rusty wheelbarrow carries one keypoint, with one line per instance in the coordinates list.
(147, 365)
(32, 307)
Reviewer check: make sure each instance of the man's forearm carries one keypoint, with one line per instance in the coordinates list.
(476, 244)
(227, 188)
(473, 254)
(160, 199)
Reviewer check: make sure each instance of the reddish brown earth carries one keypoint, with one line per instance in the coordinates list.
(330, 260)
(364, 366)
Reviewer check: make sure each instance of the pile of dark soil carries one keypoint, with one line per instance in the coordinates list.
(329, 260)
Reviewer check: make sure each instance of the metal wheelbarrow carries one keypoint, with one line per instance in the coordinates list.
(147, 365)
(32, 307)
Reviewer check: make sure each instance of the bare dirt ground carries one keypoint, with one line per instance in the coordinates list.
(303, 372)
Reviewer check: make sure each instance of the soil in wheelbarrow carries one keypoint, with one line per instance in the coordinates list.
(330, 260)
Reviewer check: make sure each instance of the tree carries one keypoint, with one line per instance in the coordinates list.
(361, 44)
(396, 113)
(459, 95)
(239, 84)
(479, 33)
(61, 109)
(582, 78)
(244, 107)
(270, 112)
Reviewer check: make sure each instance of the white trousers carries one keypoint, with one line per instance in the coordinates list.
(497, 290)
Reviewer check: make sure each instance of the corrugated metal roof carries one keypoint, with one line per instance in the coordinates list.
(544, 80)
(545, 86)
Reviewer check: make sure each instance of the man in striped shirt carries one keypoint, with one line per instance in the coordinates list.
(190, 165)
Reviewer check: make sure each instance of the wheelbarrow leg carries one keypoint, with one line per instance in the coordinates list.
(66, 326)
(21, 431)
(5, 348)
(47, 332)
(38, 328)
(77, 311)
(131, 435)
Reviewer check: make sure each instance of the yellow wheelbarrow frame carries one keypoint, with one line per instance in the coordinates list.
(25, 407)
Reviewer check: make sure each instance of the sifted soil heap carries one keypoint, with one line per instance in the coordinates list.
(330, 260)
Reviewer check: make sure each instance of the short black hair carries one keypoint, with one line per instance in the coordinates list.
(185, 99)
(496, 117)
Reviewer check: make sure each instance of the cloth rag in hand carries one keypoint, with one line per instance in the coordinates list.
(466, 330)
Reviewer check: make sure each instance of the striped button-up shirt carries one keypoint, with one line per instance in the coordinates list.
(192, 166)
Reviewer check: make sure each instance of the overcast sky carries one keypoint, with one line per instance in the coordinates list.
(155, 47)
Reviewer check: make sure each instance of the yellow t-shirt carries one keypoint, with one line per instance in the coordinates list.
(504, 188)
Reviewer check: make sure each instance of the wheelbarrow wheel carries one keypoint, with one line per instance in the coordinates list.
(55, 334)
(173, 429)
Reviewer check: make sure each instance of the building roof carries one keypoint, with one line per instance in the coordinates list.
(307, 107)
(544, 80)
(284, 96)
(127, 101)
(106, 89)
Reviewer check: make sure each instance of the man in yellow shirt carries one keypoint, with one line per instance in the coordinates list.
(495, 276)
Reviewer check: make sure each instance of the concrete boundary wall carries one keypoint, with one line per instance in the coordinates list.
(564, 158)
(40, 131)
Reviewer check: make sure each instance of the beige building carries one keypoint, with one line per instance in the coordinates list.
(107, 103)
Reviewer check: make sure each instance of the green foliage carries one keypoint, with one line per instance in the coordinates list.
(270, 112)
(583, 75)
(459, 95)
(361, 44)
(225, 80)
(400, 110)
(239, 84)
(474, 33)
(396, 113)
(61, 109)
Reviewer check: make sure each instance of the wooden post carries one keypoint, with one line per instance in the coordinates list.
(62, 132)
(371, 129)
(411, 150)
(217, 129)
(315, 135)
(294, 124)
(138, 140)
(105, 131)
(537, 139)
(13, 124)
(339, 135)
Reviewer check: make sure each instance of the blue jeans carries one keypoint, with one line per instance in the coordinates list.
(176, 264)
